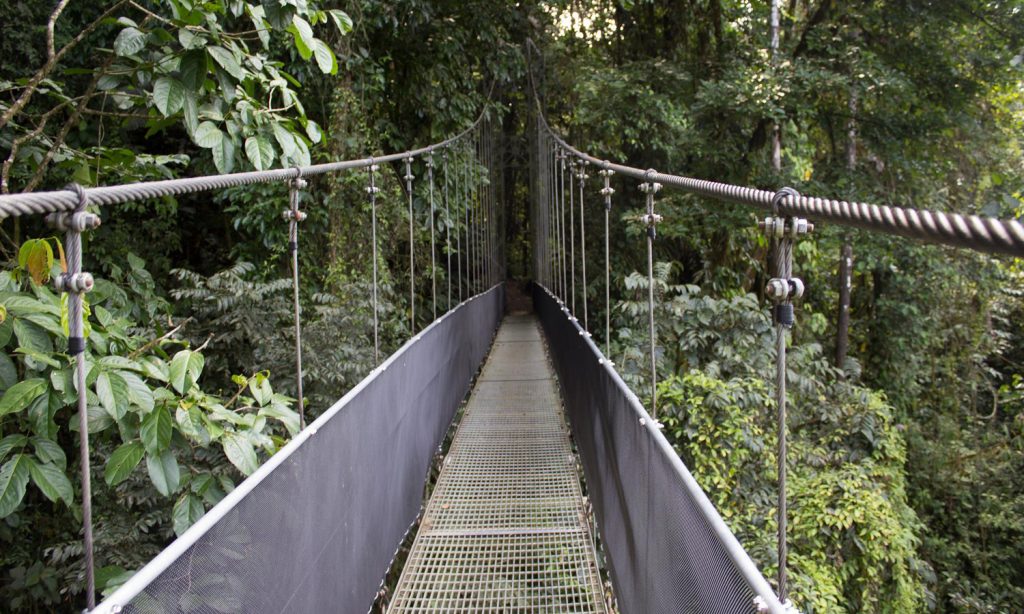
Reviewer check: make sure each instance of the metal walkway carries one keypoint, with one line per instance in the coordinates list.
(505, 529)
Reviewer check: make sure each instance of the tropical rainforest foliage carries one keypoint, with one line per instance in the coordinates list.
(905, 456)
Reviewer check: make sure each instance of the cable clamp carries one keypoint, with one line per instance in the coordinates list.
(73, 221)
(650, 187)
(372, 189)
(784, 289)
(651, 219)
(607, 191)
(77, 283)
(289, 215)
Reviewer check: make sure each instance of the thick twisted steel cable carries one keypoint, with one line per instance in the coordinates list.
(985, 234)
(29, 203)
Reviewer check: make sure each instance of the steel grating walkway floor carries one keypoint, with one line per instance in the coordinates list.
(505, 529)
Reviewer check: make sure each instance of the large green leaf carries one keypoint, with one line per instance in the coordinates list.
(240, 452)
(49, 451)
(112, 391)
(164, 472)
(304, 39)
(179, 372)
(32, 336)
(129, 41)
(325, 57)
(208, 135)
(227, 61)
(260, 152)
(8, 372)
(156, 430)
(12, 442)
(193, 69)
(122, 462)
(14, 477)
(341, 20)
(187, 511)
(20, 395)
(284, 138)
(224, 156)
(51, 481)
(138, 392)
(168, 95)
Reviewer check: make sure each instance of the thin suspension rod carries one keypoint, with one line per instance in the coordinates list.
(583, 244)
(458, 232)
(447, 228)
(572, 238)
(412, 249)
(75, 283)
(607, 192)
(295, 216)
(433, 263)
(651, 219)
(561, 220)
(372, 190)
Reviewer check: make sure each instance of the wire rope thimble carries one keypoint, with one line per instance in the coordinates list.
(607, 191)
(650, 188)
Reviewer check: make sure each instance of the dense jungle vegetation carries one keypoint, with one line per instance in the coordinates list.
(906, 452)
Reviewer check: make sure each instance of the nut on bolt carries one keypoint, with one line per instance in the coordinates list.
(75, 284)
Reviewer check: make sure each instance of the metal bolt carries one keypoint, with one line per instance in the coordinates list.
(777, 289)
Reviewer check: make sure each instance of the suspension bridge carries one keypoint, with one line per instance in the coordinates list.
(508, 526)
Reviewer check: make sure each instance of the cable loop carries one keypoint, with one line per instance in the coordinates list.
(780, 196)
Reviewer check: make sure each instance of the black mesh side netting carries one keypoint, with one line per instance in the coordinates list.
(316, 529)
(658, 529)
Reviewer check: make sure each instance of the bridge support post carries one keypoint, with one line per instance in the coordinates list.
(782, 289)
(76, 283)
(651, 219)
(293, 216)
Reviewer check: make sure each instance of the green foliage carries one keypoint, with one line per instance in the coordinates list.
(144, 403)
(853, 536)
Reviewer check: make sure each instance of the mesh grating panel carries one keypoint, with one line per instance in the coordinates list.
(666, 546)
(315, 529)
(505, 529)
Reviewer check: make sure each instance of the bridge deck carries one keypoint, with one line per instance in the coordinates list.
(505, 529)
